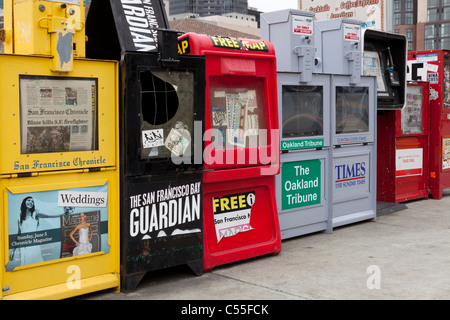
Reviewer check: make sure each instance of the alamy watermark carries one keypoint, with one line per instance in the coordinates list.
(74, 280)
(374, 280)
(229, 147)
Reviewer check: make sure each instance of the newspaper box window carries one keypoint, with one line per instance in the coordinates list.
(302, 111)
(58, 114)
(352, 109)
(412, 113)
(167, 109)
(237, 111)
(50, 225)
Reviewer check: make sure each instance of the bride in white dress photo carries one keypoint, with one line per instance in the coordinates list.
(83, 245)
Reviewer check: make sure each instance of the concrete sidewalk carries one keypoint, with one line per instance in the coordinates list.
(403, 255)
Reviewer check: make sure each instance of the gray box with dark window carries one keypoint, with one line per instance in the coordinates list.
(303, 187)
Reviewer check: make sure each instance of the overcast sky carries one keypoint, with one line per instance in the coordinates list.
(273, 5)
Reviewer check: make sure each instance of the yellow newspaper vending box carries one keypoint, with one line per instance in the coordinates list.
(59, 157)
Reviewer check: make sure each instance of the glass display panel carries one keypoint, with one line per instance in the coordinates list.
(446, 82)
(412, 112)
(58, 114)
(167, 111)
(237, 111)
(302, 111)
(352, 109)
(46, 225)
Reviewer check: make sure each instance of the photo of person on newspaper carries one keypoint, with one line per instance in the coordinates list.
(83, 245)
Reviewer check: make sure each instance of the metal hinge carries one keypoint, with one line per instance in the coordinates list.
(6, 289)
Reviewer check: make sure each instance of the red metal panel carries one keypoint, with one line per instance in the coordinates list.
(231, 64)
(239, 205)
(402, 162)
(433, 64)
(386, 156)
(239, 239)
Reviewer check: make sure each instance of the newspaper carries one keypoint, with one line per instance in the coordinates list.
(241, 119)
(58, 114)
(372, 67)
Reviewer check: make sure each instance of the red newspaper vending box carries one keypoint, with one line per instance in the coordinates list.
(241, 153)
(403, 147)
(434, 66)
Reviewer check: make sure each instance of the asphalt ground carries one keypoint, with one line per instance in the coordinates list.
(403, 255)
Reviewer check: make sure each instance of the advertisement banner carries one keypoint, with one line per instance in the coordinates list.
(426, 67)
(302, 25)
(51, 225)
(372, 13)
(351, 176)
(301, 184)
(232, 214)
(162, 221)
(445, 153)
(408, 162)
(138, 22)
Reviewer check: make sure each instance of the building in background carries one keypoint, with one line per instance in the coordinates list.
(374, 14)
(425, 23)
(207, 7)
(221, 14)
(237, 10)
(409, 17)
(204, 27)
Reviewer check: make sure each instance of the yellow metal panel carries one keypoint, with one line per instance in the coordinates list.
(7, 32)
(63, 276)
(16, 158)
(29, 38)
(38, 25)
(60, 291)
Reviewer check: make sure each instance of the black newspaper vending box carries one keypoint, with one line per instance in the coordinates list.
(161, 146)
(385, 58)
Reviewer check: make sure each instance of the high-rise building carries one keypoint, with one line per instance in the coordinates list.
(437, 27)
(207, 7)
(405, 20)
(425, 23)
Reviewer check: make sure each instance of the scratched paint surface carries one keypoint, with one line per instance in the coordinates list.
(64, 48)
